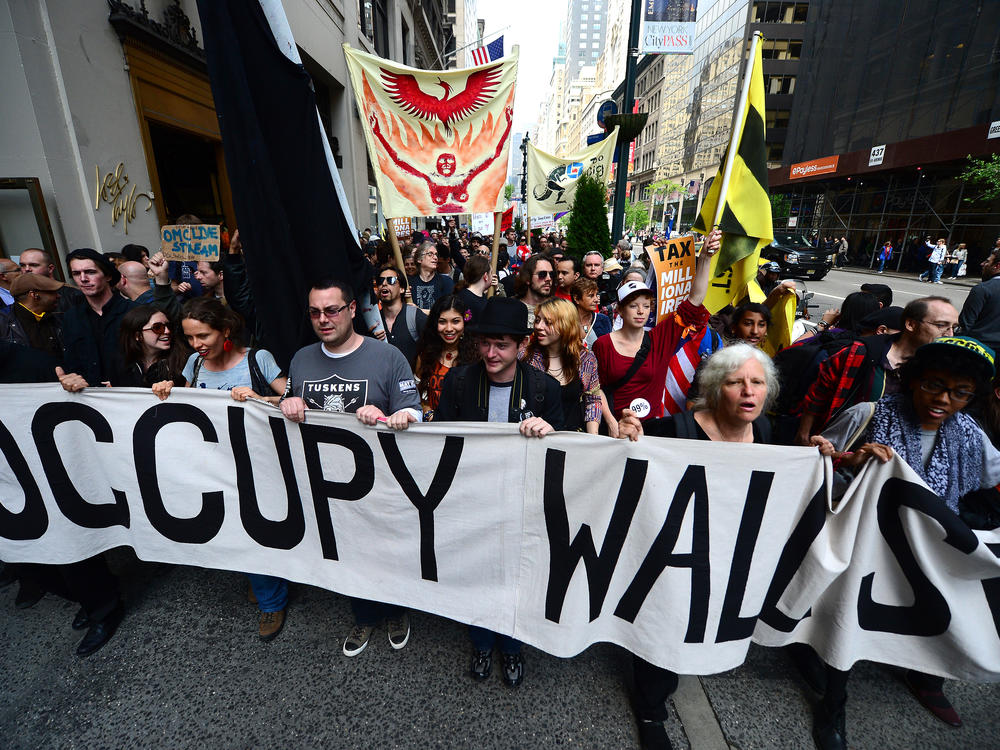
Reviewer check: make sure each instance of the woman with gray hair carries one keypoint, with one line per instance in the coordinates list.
(738, 384)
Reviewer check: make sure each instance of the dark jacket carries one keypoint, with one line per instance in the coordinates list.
(90, 342)
(22, 364)
(19, 326)
(465, 396)
(69, 296)
(239, 296)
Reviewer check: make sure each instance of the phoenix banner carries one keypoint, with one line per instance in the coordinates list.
(552, 181)
(439, 138)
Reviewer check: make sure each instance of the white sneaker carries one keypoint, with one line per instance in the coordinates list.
(398, 631)
(357, 641)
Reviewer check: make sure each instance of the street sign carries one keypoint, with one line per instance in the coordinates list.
(876, 156)
(596, 138)
(994, 131)
(608, 107)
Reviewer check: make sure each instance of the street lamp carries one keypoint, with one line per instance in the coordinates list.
(524, 172)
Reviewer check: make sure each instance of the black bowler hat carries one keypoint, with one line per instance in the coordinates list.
(503, 316)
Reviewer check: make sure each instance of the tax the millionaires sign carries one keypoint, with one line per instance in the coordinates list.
(681, 552)
(673, 264)
(190, 241)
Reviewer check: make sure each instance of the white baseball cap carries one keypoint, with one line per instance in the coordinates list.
(633, 287)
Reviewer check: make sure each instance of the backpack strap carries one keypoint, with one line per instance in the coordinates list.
(260, 386)
(197, 369)
(410, 312)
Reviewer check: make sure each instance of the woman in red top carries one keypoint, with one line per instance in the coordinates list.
(616, 352)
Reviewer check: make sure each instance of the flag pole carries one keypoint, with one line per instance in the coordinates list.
(734, 144)
(497, 219)
(390, 230)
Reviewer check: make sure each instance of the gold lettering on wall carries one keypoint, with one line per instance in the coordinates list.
(114, 190)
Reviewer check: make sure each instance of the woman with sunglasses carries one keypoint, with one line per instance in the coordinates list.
(557, 349)
(219, 362)
(926, 426)
(443, 345)
(150, 351)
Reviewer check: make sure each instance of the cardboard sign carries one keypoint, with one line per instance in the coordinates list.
(190, 241)
(674, 267)
(401, 226)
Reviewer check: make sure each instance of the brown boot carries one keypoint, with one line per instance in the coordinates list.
(271, 624)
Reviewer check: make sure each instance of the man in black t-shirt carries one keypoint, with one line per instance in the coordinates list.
(403, 323)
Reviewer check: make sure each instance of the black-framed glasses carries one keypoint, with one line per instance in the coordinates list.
(158, 328)
(936, 388)
(544, 274)
(330, 312)
(390, 280)
(941, 325)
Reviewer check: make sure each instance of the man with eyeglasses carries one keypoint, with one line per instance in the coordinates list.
(403, 323)
(980, 316)
(535, 281)
(349, 373)
(868, 368)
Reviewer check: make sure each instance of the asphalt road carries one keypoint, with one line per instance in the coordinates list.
(186, 670)
(831, 290)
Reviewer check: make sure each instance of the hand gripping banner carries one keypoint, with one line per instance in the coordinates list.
(552, 180)
(439, 139)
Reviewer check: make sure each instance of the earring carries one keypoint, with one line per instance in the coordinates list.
(227, 345)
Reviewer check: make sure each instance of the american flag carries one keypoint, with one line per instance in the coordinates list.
(492, 51)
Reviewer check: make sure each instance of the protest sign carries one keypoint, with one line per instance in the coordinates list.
(680, 555)
(402, 226)
(673, 264)
(482, 223)
(190, 241)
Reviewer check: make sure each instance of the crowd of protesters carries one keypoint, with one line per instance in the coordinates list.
(549, 341)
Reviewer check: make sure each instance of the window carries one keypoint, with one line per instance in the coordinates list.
(776, 118)
(596, 44)
(583, 34)
(780, 12)
(781, 49)
(374, 21)
(779, 84)
(584, 17)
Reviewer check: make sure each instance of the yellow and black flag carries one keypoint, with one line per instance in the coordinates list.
(745, 218)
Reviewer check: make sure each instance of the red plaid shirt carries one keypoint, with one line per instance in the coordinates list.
(837, 383)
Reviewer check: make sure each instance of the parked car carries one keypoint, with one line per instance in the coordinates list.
(798, 258)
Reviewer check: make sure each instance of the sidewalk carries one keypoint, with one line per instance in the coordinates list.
(967, 281)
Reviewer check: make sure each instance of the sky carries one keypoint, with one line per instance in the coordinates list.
(534, 26)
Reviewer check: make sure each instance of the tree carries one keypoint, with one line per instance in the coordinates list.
(636, 216)
(984, 173)
(588, 221)
(508, 192)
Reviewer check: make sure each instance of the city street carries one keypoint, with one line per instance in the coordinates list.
(840, 282)
(186, 670)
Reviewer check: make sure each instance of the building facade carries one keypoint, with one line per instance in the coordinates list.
(902, 107)
(583, 34)
(111, 129)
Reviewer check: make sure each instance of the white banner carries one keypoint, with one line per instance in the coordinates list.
(483, 223)
(682, 552)
(552, 180)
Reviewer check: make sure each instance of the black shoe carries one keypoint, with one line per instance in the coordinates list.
(100, 632)
(830, 729)
(482, 664)
(81, 620)
(28, 595)
(653, 735)
(513, 669)
(811, 668)
(7, 576)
